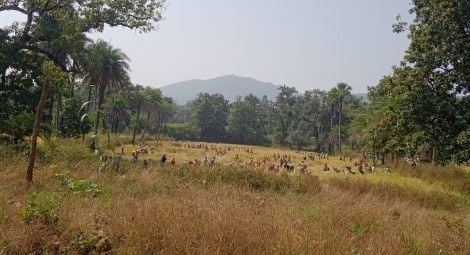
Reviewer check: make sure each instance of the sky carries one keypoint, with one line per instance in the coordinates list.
(302, 43)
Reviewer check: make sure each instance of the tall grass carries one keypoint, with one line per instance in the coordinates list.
(222, 209)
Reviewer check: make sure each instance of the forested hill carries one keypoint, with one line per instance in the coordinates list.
(230, 86)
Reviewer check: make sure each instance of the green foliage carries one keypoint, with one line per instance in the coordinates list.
(52, 38)
(116, 110)
(463, 149)
(182, 131)
(247, 121)
(19, 125)
(83, 244)
(209, 116)
(298, 135)
(79, 187)
(422, 109)
(74, 122)
(41, 206)
(283, 114)
(106, 68)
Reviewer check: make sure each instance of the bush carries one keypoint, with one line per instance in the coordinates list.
(80, 187)
(19, 125)
(48, 151)
(41, 206)
(74, 123)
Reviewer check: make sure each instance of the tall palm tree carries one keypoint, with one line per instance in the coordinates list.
(138, 100)
(105, 67)
(166, 110)
(153, 99)
(343, 91)
(331, 103)
(116, 107)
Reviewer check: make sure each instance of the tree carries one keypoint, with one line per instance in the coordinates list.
(106, 67)
(299, 134)
(247, 121)
(282, 114)
(51, 74)
(422, 109)
(209, 116)
(314, 112)
(165, 112)
(56, 30)
(331, 101)
(116, 108)
(153, 100)
(343, 91)
(137, 100)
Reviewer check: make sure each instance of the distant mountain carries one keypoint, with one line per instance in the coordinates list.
(230, 86)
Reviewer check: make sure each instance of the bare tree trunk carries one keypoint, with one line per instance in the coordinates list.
(330, 143)
(98, 115)
(72, 81)
(339, 124)
(98, 109)
(145, 128)
(136, 124)
(50, 110)
(158, 126)
(58, 117)
(113, 122)
(36, 129)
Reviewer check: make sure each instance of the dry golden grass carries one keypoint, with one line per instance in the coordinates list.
(224, 209)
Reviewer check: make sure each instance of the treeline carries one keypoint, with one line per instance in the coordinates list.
(316, 120)
(99, 97)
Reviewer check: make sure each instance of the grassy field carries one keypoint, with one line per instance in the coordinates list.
(228, 208)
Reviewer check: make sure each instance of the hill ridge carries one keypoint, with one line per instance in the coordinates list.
(230, 86)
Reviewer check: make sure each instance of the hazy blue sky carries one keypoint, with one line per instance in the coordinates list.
(303, 43)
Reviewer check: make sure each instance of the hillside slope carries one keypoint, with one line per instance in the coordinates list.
(230, 86)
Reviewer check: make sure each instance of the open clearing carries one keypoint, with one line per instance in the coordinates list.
(227, 208)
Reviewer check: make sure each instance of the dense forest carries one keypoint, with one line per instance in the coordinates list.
(54, 81)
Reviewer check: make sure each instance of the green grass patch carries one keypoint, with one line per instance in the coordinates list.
(80, 187)
(41, 206)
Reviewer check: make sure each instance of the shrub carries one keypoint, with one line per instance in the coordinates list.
(73, 122)
(80, 187)
(82, 244)
(41, 206)
(48, 151)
